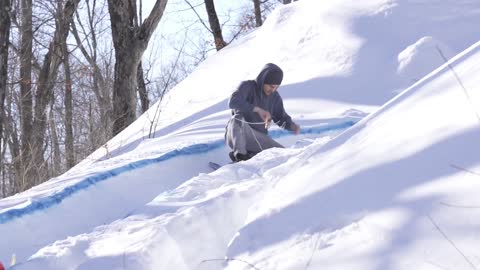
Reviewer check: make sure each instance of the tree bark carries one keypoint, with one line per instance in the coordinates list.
(215, 25)
(258, 13)
(91, 126)
(57, 160)
(26, 96)
(14, 147)
(142, 89)
(130, 42)
(4, 40)
(69, 150)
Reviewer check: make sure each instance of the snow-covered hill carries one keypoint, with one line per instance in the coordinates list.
(395, 191)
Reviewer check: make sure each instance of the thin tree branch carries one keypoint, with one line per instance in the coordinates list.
(229, 259)
(463, 169)
(35, 62)
(151, 22)
(153, 127)
(459, 82)
(451, 242)
(460, 206)
(200, 18)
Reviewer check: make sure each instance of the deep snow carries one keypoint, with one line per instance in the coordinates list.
(395, 191)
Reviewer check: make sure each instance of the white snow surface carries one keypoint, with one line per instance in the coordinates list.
(398, 190)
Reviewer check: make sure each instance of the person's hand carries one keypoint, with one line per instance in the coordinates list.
(265, 115)
(295, 129)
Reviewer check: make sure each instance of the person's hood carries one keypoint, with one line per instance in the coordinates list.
(261, 76)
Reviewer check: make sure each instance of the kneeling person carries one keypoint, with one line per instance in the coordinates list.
(254, 105)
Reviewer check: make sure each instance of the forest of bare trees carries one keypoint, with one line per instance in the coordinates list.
(73, 74)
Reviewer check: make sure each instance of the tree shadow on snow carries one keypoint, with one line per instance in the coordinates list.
(344, 203)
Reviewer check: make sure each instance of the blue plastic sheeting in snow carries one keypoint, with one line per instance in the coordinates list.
(57, 198)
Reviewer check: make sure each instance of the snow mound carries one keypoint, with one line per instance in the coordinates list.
(422, 57)
(378, 195)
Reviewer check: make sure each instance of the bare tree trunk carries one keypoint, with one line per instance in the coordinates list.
(142, 89)
(26, 96)
(130, 42)
(8, 178)
(57, 156)
(91, 127)
(103, 97)
(4, 181)
(44, 92)
(14, 148)
(215, 25)
(124, 91)
(69, 150)
(4, 39)
(258, 13)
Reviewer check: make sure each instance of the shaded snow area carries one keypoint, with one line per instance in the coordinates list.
(383, 175)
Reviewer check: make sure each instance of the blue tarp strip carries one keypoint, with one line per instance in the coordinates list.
(57, 198)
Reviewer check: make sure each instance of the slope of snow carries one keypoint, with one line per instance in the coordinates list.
(372, 198)
(395, 191)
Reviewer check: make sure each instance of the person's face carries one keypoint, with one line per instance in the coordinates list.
(270, 88)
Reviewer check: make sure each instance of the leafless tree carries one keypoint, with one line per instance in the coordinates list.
(45, 84)
(130, 43)
(97, 65)
(68, 101)
(26, 95)
(215, 25)
(258, 13)
(56, 154)
(58, 100)
(60, 121)
(35, 96)
(4, 41)
(251, 18)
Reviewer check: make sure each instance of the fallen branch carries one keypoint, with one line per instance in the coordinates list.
(459, 81)
(451, 242)
(463, 169)
(227, 260)
(459, 206)
(313, 252)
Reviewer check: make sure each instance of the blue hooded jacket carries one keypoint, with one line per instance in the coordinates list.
(250, 94)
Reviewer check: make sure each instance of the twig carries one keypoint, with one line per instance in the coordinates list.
(313, 252)
(436, 265)
(459, 81)
(463, 169)
(460, 206)
(156, 116)
(227, 260)
(198, 15)
(451, 242)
